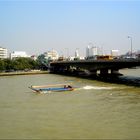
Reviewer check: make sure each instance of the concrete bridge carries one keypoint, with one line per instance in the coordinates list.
(93, 67)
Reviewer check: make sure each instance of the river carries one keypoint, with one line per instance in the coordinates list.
(96, 110)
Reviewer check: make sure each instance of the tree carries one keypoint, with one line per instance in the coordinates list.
(2, 65)
(18, 64)
(42, 61)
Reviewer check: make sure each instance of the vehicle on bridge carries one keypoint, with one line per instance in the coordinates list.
(99, 57)
(104, 57)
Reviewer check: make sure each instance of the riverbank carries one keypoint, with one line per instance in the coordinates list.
(23, 73)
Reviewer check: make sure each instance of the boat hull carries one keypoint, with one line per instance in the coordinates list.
(58, 89)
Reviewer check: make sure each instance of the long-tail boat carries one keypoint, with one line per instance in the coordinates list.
(55, 88)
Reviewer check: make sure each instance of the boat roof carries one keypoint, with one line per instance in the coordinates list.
(43, 86)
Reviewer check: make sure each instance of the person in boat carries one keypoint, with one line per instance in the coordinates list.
(68, 86)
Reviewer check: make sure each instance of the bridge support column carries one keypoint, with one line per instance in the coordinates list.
(104, 72)
(93, 73)
(115, 72)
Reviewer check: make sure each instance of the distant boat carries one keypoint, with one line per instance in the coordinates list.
(54, 88)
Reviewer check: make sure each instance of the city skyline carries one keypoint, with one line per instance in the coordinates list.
(39, 26)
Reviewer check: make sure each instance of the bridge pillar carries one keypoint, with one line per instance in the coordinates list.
(93, 73)
(115, 72)
(104, 72)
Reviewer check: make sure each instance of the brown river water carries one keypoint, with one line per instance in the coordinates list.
(95, 110)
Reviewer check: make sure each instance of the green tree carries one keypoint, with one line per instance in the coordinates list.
(2, 65)
(19, 64)
(8, 64)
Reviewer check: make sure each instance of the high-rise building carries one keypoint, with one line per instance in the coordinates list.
(3, 53)
(87, 51)
(91, 51)
(76, 53)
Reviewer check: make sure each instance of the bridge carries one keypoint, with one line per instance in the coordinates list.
(93, 67)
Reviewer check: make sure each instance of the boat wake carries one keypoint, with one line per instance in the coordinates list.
(97, 88)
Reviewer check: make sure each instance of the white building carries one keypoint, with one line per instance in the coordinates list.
(91, 51)
(115, 52)
(3, 53)
(52, 55)
(17, 54)
(76, 53)
(87, 51)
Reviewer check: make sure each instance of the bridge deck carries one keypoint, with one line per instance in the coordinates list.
(98, 64)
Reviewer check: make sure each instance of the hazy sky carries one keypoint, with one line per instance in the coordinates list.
(39, 26)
